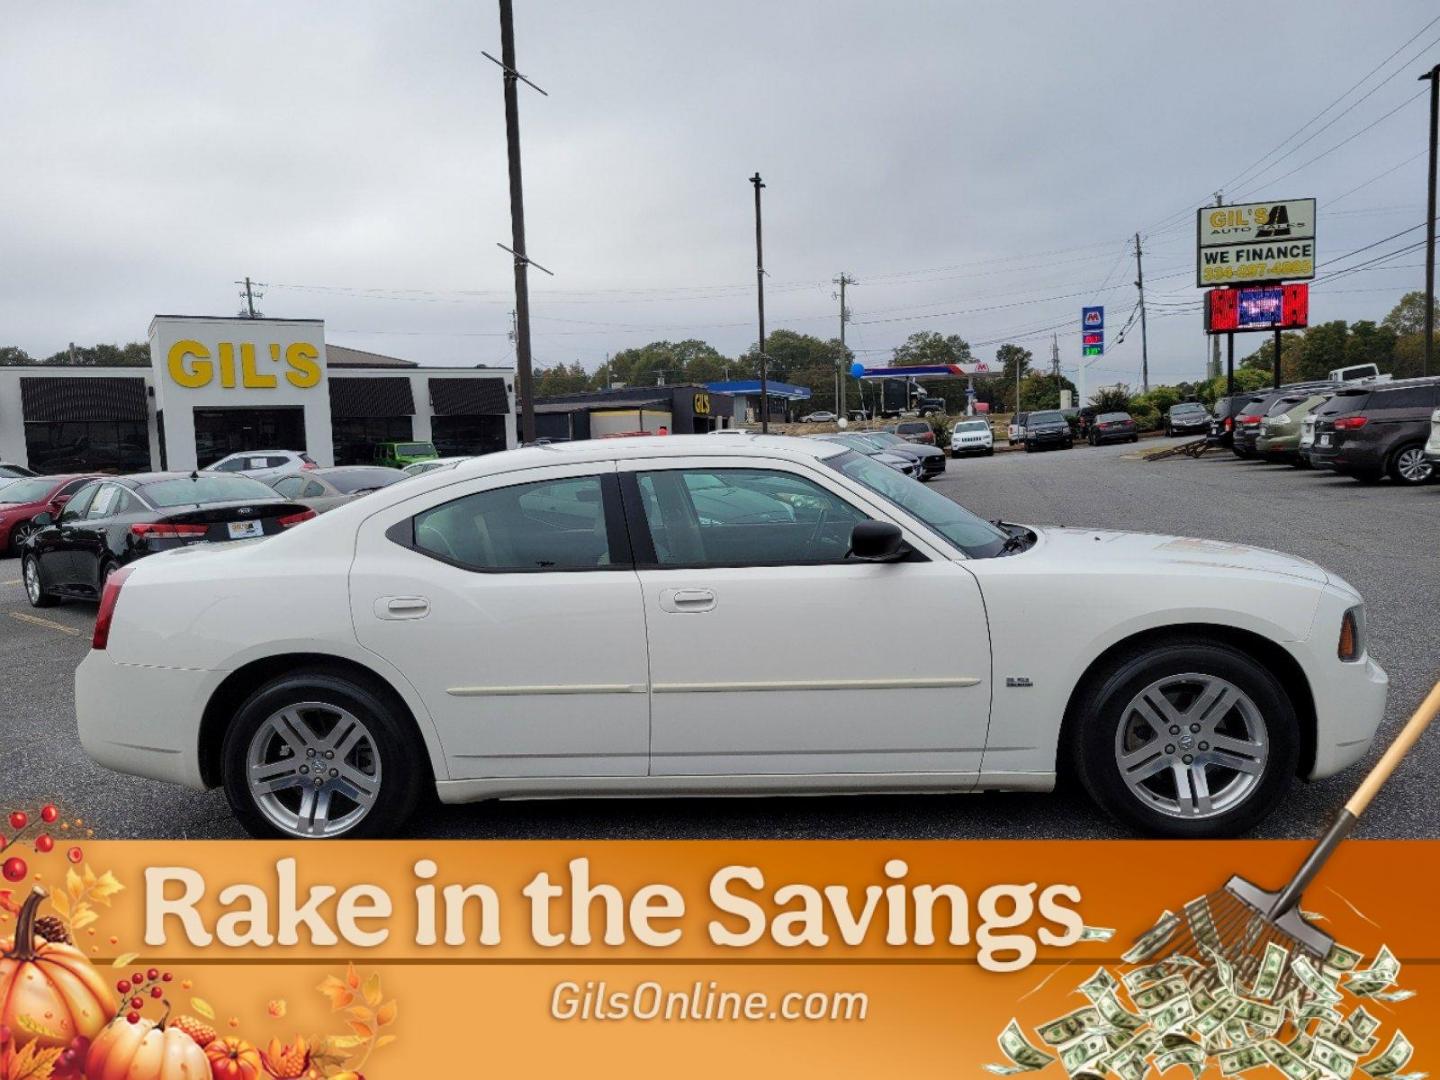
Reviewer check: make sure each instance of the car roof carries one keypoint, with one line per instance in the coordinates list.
(654, 448)
(135, 480)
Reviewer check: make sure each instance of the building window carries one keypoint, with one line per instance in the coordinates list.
(355, 437)
(88, 446)
(458, 436)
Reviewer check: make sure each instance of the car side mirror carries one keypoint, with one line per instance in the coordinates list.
(877, 541)
(42, 519)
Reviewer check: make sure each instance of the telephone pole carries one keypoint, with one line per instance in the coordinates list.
(760, 301)
(1214, 369)
(248, 294)
(843, 280)
(1055, 368)
(1144, 342)
(1434, 76)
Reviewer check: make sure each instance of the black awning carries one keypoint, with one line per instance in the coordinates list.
(468, 397)
(352, 398)
(65, 398)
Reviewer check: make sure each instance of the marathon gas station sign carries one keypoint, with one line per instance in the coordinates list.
(1253, 242)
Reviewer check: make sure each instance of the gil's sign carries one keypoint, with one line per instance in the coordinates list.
(1254, 242)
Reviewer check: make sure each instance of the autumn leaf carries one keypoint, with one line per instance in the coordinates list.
(372, 989)
(386, 1013)
(360, 1012)
(384, 1040)
(352, 977)
(105, 887)
(61, 903)
(344, 1042)
(365, 1031)
(339, 994)
(73, 884)
(203, 1007)
(124, 959)
(83, 917)
(33, 1063)
(28, 1023)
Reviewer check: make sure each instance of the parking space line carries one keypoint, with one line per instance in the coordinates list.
(15, 582)
(38, 621)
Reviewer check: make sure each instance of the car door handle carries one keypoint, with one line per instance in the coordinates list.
(402, 607)
(681, 600)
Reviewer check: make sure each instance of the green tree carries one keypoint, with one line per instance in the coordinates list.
(14, 356)
(1111, 398)
(1370, 344)
(1011, 358)
(929, 347)
(670, 362)
(1042, 391)
(561, 379)
(1408, 316)
(135, 354)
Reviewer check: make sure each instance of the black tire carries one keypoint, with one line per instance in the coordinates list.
(1421, 475)
(1134, 438)
(403, 763)
(1169, 432)
(1092, 728)
(1069, 444)
(1094, 441)
(989, 451)
(1029, 448)
(19, 533)
(35, 590)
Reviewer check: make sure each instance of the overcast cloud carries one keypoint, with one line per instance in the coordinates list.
(961, 158)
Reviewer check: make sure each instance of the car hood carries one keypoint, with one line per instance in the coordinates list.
(1098, 548)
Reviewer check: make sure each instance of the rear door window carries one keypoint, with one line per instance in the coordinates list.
(290, 486)
(1410, 397)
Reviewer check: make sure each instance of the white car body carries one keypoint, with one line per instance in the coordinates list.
(724, 680)
(420, 468)
(262, 465)
(1432, 445)
(971, 437)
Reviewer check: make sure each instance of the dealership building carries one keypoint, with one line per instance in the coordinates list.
(216, 386)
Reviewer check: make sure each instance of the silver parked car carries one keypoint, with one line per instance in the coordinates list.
(263, 465)
(325, 489)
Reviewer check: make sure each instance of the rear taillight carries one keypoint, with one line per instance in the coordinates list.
(108, 598)
(1350, 423)
(1350, 646)
(166, 530)
(1247, 420)
(308, 465)
(1229, 424)
(296, 519)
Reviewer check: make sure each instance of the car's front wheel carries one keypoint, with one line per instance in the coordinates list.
(35, 590)
(317, 755)
(19, 534)
(1188, 739)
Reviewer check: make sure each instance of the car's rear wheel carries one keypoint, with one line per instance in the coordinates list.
(35, 590)
(1408, 465)
(19, 534)
(1190, 739)
(315, 755)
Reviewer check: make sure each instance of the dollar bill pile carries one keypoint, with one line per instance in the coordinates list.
(1198, 1012)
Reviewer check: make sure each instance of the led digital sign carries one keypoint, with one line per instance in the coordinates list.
(1269, 307)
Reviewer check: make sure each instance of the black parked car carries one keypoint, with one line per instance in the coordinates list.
(112, 522)
(1048, 428)
(1113, 427)
(931, 458)
(1186, 418)
(1222, 423)
(1368, 431)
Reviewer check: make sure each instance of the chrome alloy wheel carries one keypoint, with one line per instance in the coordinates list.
(20, 534)
(313, 769)
(1413, 466)
(1191, 745)
(32, 580)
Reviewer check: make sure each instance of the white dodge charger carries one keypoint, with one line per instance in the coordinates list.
(676, 617)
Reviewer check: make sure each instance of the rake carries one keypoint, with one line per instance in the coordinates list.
(1238, 922)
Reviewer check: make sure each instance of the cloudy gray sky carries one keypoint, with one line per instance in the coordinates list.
(979, 167)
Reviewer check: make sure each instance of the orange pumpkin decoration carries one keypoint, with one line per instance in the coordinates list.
(233, 1059)
(50, 984)
(145, 1050)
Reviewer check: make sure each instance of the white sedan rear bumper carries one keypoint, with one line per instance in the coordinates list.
(143, 720)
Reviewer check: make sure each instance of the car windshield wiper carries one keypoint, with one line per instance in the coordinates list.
(1014, 542)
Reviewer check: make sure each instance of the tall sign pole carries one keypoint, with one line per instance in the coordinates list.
(1144, 332)
(523, 379)
(760, 300)
(1434, 76)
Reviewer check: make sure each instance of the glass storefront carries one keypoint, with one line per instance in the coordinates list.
(111, 446)
(457, 436)
(219, 432)
(356, 437)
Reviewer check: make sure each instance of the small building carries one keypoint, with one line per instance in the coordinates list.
(683, 409)
(216, 386)
(784, 398)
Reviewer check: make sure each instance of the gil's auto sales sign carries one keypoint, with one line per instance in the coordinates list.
(1253, 242)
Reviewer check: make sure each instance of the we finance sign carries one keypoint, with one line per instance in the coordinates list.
(1252, 242)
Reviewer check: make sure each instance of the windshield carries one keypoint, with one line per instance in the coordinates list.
(1047, 418)
(973, 425)
(1112, 417)
(24, 491)
(973, 535)
(885, 438)
(1187, 406)
(207, 489)
(1255, 408)
(413, 449)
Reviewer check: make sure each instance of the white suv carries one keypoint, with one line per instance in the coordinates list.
(1432, 446)
(971, 437)
(263, 465)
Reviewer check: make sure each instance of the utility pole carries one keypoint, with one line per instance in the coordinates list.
(1055, 368)
(843, 280)
(1144, 342)
(247, 293)
(524, 381)
(760, 300)
(1276, 376)
(1214, 370)
(1434, 76)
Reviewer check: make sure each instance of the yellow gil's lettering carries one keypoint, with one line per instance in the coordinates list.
(251, 378)
(304, 361)
(227, 364)
(195, 374)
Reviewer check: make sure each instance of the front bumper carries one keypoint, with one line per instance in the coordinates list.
(1049, 438)
(1349, 705)
(144, 721)
(976, 446)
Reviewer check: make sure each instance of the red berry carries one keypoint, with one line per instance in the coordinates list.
(43, 843)
(15, 869)
(166, 977)
(123, 986)
(152, 974)
(138, 978)
(19, 819)
(156, 992)
(49, 814)
(137, 1003)
(75, 854)
(133, 1017)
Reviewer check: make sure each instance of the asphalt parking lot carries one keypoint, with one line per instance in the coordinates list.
(1381, 538)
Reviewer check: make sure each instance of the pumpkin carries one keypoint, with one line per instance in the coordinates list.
(233, 1059)
(49, 984)
(145, 1050)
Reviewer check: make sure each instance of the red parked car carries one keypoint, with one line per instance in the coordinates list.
(22, 500)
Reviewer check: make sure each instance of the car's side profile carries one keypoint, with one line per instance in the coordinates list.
(263, 465)
(22, 502)
(675, 617)
(323, 490)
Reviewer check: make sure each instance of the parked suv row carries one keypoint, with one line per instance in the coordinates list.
(1379, 429)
